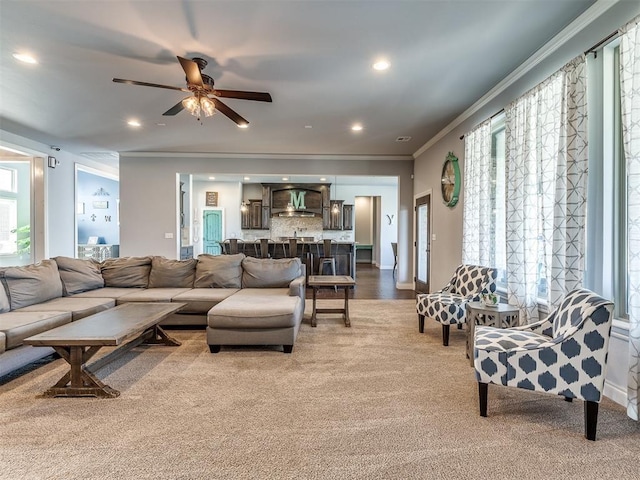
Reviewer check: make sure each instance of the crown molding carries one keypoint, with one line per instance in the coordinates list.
(579, 24)
(266, 156)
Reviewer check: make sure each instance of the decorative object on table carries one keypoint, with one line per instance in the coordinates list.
(565, 354)
(490, 299)
(450, 180)
(447, 306)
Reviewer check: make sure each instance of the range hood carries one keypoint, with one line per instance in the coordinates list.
(299, 214)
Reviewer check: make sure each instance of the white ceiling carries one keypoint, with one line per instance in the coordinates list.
(314, 57)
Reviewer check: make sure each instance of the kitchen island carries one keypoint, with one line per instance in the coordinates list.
(309, 252)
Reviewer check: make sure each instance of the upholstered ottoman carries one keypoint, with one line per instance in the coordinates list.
(255, 316)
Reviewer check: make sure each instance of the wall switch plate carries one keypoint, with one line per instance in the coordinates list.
(168, 235)
(433, 237)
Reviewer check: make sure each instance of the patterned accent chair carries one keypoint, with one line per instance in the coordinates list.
(447, 306)
(564, 354)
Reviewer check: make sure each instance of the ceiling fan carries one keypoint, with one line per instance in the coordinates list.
(203, 98)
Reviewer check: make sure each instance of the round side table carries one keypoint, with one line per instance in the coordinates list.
(501, 316)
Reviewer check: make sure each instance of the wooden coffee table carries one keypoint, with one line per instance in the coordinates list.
(124, 326)
(344, 281)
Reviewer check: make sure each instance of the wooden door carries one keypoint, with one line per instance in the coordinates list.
(212, 232)
(423, 243)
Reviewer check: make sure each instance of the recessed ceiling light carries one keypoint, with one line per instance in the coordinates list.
(285, 179)
(308, 126)
(243, 125)
(212, 178)
(381, 65)
(25, 57)
(247, 178)
(356, 127)
(161, 124)
(323, 179)
(134, 123)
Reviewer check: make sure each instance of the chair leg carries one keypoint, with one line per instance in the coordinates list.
(483, 390)
(590, 420)
(445, 335)
(421, 323)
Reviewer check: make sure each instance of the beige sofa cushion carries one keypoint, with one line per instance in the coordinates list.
(78, 307)
(108, 292)
(17, 326)
(167, 273)
(222, 271)
(126, 272)
(257, 311)
(151, 295)
(270, 273)
(3, 342)
(32, 284)
(200, 300)
(79, 275)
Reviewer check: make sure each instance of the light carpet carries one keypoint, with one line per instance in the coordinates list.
(375, 401)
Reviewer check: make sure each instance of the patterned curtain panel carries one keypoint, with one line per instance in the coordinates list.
(478, 197)
(546, 175)
(630, 93)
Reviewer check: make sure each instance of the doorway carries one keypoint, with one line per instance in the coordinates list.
(211, 232)
(423, 243)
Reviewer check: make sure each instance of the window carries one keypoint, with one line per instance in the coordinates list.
(606, 259)
(499, 252)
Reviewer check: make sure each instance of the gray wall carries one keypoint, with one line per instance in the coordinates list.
(59, 195)
(148, 211)
(446, 250)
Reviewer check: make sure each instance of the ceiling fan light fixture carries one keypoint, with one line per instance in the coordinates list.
(208, 106)
(192, 105)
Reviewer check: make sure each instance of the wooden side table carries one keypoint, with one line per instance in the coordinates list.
(501, 316)
(344, 281)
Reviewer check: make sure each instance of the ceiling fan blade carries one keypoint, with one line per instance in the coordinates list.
(224, 109)
(257, 96)
(145, 84)
(177, 108)
(192, 71)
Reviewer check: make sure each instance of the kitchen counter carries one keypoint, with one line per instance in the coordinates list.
(309, 252)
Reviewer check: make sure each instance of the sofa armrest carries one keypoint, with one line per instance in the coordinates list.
(297, 287)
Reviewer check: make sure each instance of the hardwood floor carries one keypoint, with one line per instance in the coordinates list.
(371, 283)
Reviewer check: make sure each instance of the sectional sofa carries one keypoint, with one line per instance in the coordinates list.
(241, 300)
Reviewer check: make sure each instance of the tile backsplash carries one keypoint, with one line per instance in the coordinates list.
(300, 226)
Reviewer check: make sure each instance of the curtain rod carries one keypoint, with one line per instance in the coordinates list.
(492, 116)
(601, 42)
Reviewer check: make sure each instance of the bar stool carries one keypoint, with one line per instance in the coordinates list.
(264, 248)
(327, 257)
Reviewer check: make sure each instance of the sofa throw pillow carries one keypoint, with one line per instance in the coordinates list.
(219, 271)
(127, 272)
(168, 273)
(79, 275)
(270, 273)
(32, 284)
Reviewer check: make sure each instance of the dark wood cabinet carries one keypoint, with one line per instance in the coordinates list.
(347, 217)
(252, 216)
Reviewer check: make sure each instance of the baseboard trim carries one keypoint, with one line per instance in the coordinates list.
(615, 393)
(404, 286)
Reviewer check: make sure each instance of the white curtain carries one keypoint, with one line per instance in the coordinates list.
(479, 172)
(630, 93)
(546, 178)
